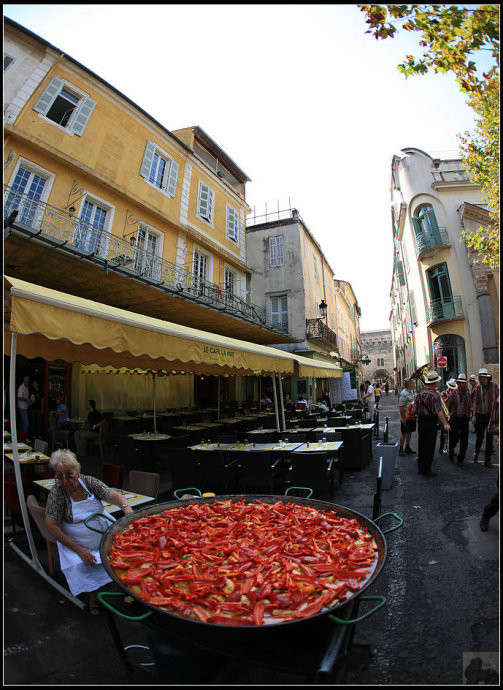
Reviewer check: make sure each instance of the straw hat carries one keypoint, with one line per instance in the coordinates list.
(451, 383)
(461, 378)
(483, 372)
(432, 377)
(473, 377)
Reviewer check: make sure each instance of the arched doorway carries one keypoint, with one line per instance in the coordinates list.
(453, 347)
(381, 375)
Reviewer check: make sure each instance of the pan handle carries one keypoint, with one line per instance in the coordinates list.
(102, 515)
(101, 596)
(369, 597)
(190, 488)
(302, 488)
(390, 529)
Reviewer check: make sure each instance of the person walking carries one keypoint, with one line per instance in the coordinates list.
(369, 398)
(386, 388)
(445, 395)
(407, 420)
(428, 409)
(36, 411)
(377, 394)
(23, 403)
(484, 396)
(459, 405)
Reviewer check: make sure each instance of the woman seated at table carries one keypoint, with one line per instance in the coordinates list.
(74, 498)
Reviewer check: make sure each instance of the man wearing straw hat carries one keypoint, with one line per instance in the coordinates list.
(459, 405)
(428, 409)
(445, 395)
(484, 397)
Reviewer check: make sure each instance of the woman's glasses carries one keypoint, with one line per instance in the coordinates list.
(65, 475)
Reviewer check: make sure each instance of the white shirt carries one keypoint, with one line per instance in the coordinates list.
(371, 397)
(23, 392)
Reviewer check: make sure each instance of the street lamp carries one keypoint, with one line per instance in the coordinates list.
(323, 308)
(365, 360)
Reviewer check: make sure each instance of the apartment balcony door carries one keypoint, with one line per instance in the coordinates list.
(147, 262)
(32, 185)
(442, 302)
(426, 224)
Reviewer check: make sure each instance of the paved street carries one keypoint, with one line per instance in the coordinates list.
(441, 580)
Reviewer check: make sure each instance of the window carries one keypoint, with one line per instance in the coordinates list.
(425, 224)
(200, 269)
(229, 281)
(279, 312)
(147, 252)
(27, 191)
(65, 105)
(7, 61)
(232, 224)
(442, 303)
(315, 264)
(276, 252)
(205, 202)
(90, 226)
(159, 169)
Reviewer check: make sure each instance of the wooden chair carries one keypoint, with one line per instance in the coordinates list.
(146, 483)
(38, 514)
(112, 475)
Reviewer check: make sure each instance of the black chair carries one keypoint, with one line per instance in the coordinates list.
(227, 438)
(260, 470)
(216, 471)
(294, 438)
(314, 470)
(259, 437)
(356, 449)
(126, 452)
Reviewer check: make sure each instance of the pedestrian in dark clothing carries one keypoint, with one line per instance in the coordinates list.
(386, 388)
(36, 411)
(459, 405)
(484, 396)
(428, 410)
(492, 507)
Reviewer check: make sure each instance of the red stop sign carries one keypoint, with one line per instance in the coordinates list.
(441, 362)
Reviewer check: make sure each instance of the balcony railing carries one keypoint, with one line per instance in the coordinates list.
(438, 310)
(52, 224)
(438, 238)
(317, 330)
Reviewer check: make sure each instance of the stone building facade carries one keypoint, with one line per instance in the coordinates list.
(378, 347)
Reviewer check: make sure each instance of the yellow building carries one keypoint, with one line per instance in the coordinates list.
(102, 201)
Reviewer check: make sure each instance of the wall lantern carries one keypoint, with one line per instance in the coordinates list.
(323, 308)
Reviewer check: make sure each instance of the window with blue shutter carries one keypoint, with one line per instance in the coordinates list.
(205, 202)
(159, 169)
(65, 106)
(232, 223)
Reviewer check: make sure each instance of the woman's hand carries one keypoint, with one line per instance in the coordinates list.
(87, 557)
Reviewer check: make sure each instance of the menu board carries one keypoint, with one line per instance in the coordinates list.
(336, 391)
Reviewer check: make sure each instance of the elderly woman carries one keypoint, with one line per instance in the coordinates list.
(74, 498)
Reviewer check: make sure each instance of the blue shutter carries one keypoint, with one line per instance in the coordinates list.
(50, 92)
(172, 178)
(83, 114)
(418, 227)
(148, 156)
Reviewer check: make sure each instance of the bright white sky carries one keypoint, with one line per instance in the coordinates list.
(307, 104)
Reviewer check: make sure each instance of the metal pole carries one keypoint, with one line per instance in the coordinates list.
(218, 397)
(281, 401)
(275, 400)
(153, 385)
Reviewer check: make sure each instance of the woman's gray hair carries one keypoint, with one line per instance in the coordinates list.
(65, 457)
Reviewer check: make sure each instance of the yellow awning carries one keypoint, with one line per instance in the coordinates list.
(321, 370)
(56, 325)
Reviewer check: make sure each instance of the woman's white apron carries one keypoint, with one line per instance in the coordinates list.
(81, 577)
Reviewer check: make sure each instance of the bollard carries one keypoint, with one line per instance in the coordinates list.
(377, 496)
(386, 431)
(376, 424)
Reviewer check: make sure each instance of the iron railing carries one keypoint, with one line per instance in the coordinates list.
(438, 309)
(54, 225)
(317, 330)
(438, 238)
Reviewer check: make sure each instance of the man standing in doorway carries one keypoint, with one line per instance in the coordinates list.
(369, 398)
(484, 397)
(428, 410)
(23, 403)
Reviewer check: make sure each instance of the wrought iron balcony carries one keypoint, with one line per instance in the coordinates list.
(440, 310)
(316, 329)
(435, 240)
(80, 238)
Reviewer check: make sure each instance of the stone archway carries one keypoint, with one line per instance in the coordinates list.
(382, 375)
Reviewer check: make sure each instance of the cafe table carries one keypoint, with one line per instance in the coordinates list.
(149, 437)
(28, 461)
(206, 425)
(132, 498)
(8, 447)
(247, 447)
(125, 418)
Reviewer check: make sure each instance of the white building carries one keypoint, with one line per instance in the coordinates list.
(442, 303)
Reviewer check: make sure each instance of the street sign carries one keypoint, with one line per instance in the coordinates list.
(441, 362)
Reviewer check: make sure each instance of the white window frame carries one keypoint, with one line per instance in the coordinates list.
(195, 276)
(276, 251)
(36, 170)
(78, 93)
(232, 224)
(279, 312)
(211, 197)
(156, 266)
(170, 167)
(107, 228)
(228, 273)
